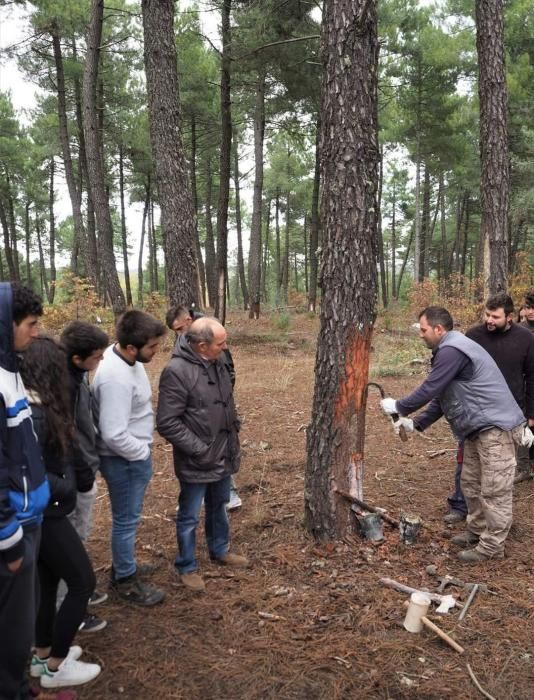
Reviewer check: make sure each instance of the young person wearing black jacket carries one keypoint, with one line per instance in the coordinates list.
(61, 554)
(84, 345)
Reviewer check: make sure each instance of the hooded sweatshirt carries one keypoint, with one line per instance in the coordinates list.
(24, 491)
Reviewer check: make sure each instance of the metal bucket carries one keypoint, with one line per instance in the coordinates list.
(371, 527)
(409, 526)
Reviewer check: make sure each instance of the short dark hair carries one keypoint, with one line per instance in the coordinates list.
(137, 327)
(82, 338)
(438, 315)
(175, 312)
(501, 301)
(529, 299)
(25, 302)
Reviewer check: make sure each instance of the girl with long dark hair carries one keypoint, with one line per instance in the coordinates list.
(62, 554)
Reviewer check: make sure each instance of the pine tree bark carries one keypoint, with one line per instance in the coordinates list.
(7, 243)
(141, 248)
(201, 272)
(124, 234)
(494, 155)
(211, 273)
(224, 164)
(349, 157)
(27, 233)
(52, 232)
(314, 225)
(254, 254)
(176, 203)
(238, 225)
(95, 163)
(380, 240)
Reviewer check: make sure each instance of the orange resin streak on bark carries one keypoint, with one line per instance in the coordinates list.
(352, 386)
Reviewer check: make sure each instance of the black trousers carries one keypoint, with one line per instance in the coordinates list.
(17, 620)
(62, 555)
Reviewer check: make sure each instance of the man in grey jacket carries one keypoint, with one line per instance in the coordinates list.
(196, 414)
(466, 386)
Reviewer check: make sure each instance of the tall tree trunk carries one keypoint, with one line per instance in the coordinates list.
(12, 226)
(95, 164)
(278, 247)
(124, 234)
(75, 195)
(254, 254)
(425, 227)
(466, 234)
(265, 263)
(417, 273)
(176, 203)
(285, 259)
(405, 260)
(314, 224)
(52, 227)
(305, 235)
(12, 272)
(211, 273)
(152, 234)
(394, 241)
(146, 209)
(349, 275)
(42, 261)
(380, 241)
(494, 156)
(201, 272)
(238, 224)
(88, 243)
(27, 233)
(151, 275)
(443, 225)
(224, 164)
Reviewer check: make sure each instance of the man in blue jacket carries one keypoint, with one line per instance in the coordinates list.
(24, 492)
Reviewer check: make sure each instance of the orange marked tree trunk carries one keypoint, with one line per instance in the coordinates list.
(349, 168)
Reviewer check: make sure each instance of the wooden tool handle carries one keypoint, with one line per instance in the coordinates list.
(402, 433)
(450, 641)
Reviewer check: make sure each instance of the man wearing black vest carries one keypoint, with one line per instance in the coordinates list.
(466, 386)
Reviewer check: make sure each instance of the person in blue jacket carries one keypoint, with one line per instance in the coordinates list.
(24, 492)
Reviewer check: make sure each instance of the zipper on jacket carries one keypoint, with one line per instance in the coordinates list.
(25, 486)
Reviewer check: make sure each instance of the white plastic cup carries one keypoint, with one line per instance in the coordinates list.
(418, 608)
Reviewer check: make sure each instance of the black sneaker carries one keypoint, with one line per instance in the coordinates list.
(92, 623)
(97, 597)
(133, 590)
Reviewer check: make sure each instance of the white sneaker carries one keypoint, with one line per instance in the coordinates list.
(235, 502)
(70, 672)
(38, 665)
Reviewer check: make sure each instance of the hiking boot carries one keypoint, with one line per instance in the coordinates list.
(230, 559)
(97, 597)
(473, 556)
(193, 581)
(454, 516)
(38, 665)
(92, 623)
(70, 672)
(133, 590)
(465, 538)
(235, 502)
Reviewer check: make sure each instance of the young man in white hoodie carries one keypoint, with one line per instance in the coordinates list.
(125, 421)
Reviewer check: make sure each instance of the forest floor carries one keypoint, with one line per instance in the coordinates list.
(335, 633)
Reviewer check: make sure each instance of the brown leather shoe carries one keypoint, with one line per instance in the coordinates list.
(231, 559)
(193, 581)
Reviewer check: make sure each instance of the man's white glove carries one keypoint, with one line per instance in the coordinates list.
(406, 423)
(389, 406)
(527, 437)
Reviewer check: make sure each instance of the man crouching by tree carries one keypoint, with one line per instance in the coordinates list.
(466, 386)
(196, 414)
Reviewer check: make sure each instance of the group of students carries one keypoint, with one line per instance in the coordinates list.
(55, 434)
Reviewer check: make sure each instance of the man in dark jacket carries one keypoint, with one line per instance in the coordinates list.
(24, 491)
(466, 386)
(512, 347)
(84, 345)
(196, 414)
(179, 319)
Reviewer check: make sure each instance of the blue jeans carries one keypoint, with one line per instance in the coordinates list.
(215, 495)
(127, 482)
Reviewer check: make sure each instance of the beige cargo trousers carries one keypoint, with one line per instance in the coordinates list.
(487, 484)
